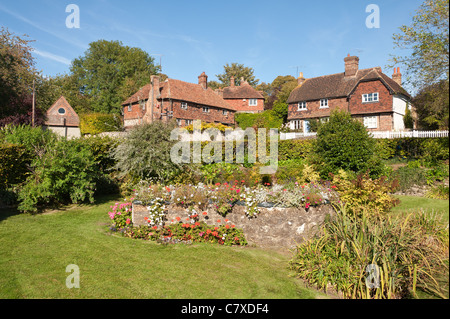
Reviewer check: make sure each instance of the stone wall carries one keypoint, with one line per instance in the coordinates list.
(276, 228)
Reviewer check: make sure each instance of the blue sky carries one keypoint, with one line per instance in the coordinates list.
(273, 37)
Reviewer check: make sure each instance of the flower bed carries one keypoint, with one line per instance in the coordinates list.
(228, 213)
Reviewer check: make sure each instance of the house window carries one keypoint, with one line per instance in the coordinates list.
(301, 106)
(61, 111)
(324, 103)
(370, 122)
(296, 124)
(183, 105)
(179, 122)
(252, 102)
(225, 112)
(129, 107)
(205, 109)
(188, 122)
(371, 97)
(142, 103)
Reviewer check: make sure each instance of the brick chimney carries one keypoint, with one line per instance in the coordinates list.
(232, 81)
(153, 96)
(203, 80)
(397, 76)
(351, 65)
(300, 79)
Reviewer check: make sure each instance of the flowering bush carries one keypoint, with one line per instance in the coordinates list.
(224, 196)
(121, 215)
(196, 231)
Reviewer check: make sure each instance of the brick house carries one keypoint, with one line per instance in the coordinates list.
(369, 95)
(62, 119)
(243, 98)
(177, 99)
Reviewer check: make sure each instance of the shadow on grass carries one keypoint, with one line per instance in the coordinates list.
(12, 210)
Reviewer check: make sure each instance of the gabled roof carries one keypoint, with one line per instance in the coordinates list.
(190, 92)
(55, 118)
(183, 91)
(243, 91)
(337, 85)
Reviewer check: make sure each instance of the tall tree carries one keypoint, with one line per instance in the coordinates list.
(17, 71)
(238, 71)
(110, 72)
(428, 39)
(432, 106)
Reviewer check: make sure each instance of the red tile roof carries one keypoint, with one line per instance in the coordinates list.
(243, 91)
(183, 91)
(337, 85)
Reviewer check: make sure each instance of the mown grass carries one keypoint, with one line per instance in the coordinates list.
(415, 203)
(36, 249)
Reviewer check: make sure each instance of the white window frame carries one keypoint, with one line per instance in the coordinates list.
(296, 124)
(301, 106)
(370, 97)
(205, 109)
(323, 103)
(252, 102)
(184, 106)
(188, 122)
(371, 121)
(224, 112)
(179, 122)
(130, 108)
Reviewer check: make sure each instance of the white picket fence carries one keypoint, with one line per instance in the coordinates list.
(376, 134)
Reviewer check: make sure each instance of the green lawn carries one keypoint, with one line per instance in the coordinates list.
(413, 203)
(35, 250)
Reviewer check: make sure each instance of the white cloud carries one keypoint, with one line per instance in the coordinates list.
(52, 56)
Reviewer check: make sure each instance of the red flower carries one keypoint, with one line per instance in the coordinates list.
(192, 226)
(168, 189)
(232, 226)
(333, 186)
(236, 238)
(218, 220)
(208, 231)
(216, 228)
(217, 184)
(242, 181)
(227, 226)
(155, 227)
(178, 218)
(226, 220)
(205, 213)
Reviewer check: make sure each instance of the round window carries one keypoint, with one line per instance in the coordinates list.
(62, 111)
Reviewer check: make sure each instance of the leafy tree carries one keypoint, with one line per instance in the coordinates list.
(145, 153)
(428, 39)
(110, 72)
(238, 71)
(344, 143)
(432, 106)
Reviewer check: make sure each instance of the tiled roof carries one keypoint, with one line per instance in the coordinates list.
(243, 91)
(183, 91)
(337, 85)
(54, 118)
(190, 92)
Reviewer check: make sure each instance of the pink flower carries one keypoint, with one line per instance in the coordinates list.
(111, 215)
(128, 221)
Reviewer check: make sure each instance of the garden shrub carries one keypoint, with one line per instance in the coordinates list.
(266, 119)
(34, 139)
(14, 161)
(438, 192)
(364, 193)
(65, 172)
(409, 252)
(145, 153)
(295, 149)
(96, 123)
(344, 143)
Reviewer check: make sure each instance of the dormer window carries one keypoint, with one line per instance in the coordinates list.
(142, 104)
(184, 106)
(370, 97)
(205, 109)
(301, 106)
(323, 103)
(129, 107)
(224, 112)
(252, 102)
